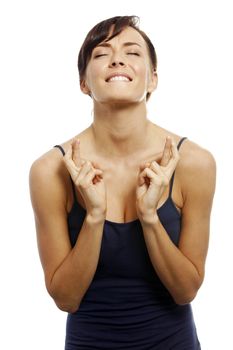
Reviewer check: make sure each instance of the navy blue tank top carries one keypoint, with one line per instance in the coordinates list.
(126, 305)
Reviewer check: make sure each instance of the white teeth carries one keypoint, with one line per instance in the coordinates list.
(119, 77)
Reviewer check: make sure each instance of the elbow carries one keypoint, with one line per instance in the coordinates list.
(185, 299)
(66, 307)
(64, 303)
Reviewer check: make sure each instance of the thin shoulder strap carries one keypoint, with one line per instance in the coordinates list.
(72, 183)
(60, 147)
(172, 178)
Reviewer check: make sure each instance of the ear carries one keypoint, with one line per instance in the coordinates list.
(84, 87)
(153, 81)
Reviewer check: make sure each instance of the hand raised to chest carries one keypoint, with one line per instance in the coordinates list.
(88, 178)
(153, 179)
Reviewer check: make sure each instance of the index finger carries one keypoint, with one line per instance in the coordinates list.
(76, 152)
(175, 155)
(157, 158)
(166, 151)
(175, 151)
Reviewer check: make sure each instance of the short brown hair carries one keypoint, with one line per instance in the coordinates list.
(100, 33)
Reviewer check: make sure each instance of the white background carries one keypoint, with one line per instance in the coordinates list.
(41, 105)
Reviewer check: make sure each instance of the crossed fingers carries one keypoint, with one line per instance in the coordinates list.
(78, 165)
(169, 158)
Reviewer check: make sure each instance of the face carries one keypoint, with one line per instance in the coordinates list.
(126, 57)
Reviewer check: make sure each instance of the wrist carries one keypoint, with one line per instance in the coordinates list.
(149, 219)
(95, 217)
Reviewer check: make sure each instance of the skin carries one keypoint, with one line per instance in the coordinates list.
(152, 180)
(120, 176)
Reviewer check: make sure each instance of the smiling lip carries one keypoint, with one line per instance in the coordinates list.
(118, 75)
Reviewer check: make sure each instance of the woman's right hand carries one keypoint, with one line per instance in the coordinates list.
(88, 178)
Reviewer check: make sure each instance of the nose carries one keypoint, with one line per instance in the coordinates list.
(116, 58)
(116, 61)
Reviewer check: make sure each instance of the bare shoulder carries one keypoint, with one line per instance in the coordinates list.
(196, 158)
(195, 161)
(48, 178)
(196, 168)
(51, 162)
(47, 165)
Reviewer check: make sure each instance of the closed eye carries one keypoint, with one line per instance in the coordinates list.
(133, 53)
(100, 55)
(129, 53)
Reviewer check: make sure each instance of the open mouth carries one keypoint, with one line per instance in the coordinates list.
(119, 78)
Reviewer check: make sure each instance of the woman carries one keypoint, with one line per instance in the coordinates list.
(123, 244)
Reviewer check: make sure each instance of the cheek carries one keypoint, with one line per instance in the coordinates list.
(90, 74)
(94, 72)
(144, 75)
(142, 71)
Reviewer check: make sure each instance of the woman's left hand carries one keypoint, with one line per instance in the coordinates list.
(153, 178)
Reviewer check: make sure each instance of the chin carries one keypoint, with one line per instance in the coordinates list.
(123, 99)
(119, 102)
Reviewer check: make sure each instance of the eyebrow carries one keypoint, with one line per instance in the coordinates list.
(129, 43)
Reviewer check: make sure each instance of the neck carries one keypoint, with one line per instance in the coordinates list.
(120, 132)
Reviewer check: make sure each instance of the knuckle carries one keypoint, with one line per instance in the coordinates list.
(81, 184)
(160, 182)
(152, 165)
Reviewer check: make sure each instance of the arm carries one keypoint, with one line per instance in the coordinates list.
(181, 269)
(68, 272)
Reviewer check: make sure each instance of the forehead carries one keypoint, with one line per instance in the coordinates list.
(128, 34)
